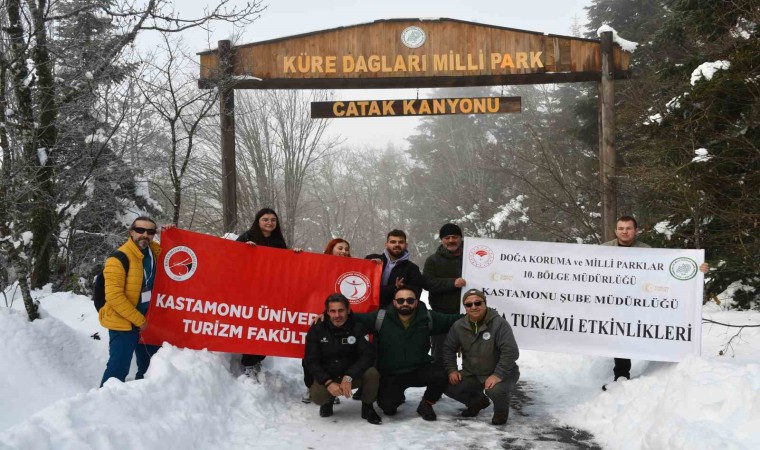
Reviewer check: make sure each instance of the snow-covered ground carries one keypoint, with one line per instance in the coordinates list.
(49, 371)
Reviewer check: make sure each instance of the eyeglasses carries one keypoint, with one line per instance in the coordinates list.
(140, 230)
(473, 304)
(408, 300)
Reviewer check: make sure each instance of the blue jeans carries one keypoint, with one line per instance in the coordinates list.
(121, 346)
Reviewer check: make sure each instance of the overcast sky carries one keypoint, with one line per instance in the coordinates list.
(289, 17)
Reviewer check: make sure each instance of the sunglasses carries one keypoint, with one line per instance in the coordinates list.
(408, 300)
(140, 230)
(473, 304)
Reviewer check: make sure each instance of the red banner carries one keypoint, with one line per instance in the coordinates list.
(228, 296)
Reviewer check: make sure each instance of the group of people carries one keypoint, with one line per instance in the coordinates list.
(381, 353)
(339, 358)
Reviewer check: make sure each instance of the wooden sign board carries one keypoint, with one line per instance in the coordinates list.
(412, 53)
(415, 107)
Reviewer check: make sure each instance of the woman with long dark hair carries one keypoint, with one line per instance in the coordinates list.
(264, 231)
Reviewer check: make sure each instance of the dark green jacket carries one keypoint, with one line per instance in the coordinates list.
(444, 267)
(399, 349)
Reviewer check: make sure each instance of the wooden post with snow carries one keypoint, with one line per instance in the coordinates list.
(227, 123)
(607, 157)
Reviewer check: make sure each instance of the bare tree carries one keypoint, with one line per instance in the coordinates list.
(41, 83)
(260, 153)
(280, 144)
(181, 106)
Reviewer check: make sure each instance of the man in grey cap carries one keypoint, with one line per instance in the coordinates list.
(489, 352)
(445, 266)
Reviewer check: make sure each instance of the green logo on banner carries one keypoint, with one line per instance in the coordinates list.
(683, 268)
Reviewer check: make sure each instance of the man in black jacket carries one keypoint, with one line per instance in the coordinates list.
(445, 267)
(339, 358)
(399, 271)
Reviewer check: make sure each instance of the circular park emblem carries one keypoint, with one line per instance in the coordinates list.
(486, 336)
(351, 340)
(180, 263)
(413, 37)
(480, 256)
(354, 285)
(683, 268)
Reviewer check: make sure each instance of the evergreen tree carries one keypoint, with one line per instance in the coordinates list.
(692, 141)
(97, 187)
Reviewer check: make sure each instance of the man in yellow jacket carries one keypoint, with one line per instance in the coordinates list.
(127, 300)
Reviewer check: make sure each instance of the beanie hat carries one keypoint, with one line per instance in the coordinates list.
(475, 292)
(448, 230)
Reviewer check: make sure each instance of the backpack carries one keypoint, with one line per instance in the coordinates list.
(381, 316)
(99, 283)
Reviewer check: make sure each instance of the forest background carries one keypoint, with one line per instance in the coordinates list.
(94, 131)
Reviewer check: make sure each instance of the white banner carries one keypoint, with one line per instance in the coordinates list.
(625, 302)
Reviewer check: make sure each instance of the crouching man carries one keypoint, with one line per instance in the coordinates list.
(489, 352)
(403, 339)
(339, 358)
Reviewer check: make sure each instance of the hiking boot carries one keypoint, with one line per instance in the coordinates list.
(474, 409)
(357, 395)
(425, 409)
(500, 418)
(306, 397)
(369, 413)
(326, 410)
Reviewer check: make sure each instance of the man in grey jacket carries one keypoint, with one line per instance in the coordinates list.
(489, 352)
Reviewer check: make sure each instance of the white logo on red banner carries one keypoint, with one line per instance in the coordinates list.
(180, 263)
(354, 285)
(480, 256)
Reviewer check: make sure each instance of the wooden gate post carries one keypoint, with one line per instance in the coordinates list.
(227, 123)
(607, 157)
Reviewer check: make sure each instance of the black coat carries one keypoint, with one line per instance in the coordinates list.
(333, 352)
(413, 279)
(444, 267)
(271, 241)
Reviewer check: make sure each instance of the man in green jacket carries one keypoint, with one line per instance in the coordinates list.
(403, 332)
(489, 352)
(445, 266)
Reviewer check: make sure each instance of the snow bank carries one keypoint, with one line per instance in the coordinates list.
(42, 362)
(197, 400)
(694, 404)
(706, 402)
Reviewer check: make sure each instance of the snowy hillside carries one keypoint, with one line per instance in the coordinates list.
(198, 400)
